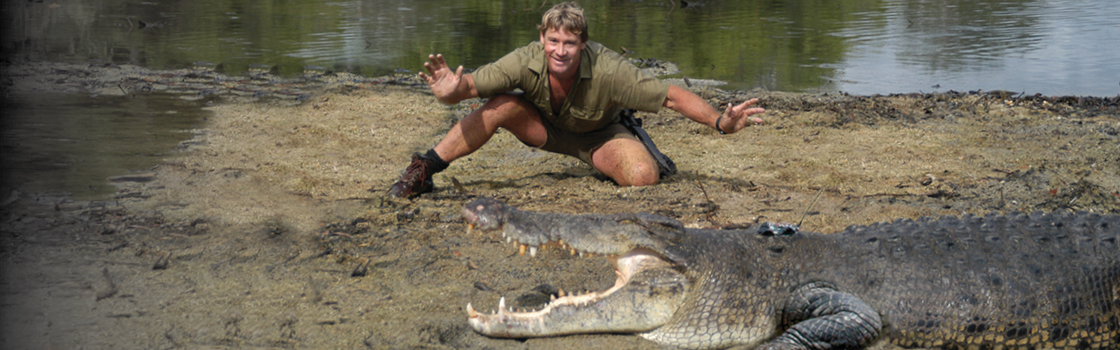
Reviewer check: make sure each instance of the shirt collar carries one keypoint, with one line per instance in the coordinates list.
(585, 62)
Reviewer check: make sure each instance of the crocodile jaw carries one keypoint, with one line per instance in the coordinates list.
(645, 295)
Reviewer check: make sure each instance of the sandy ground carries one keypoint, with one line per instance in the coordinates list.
(261, 233)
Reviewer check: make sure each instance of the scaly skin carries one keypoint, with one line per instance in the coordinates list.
(1043, 281)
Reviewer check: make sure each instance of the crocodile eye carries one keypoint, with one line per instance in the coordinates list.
(769, 229)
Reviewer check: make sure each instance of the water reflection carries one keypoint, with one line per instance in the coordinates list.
(962, 35)
(72, 143)
(1049, 47)
(863, 46)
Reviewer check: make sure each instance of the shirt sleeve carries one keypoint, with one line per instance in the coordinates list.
(638, 89)
(501, 76)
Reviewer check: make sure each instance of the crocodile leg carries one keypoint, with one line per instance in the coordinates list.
(823, 318)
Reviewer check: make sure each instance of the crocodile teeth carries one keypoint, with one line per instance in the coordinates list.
(501, 306)
(470, 311)
(572, 250)
(562, 294)
(509, 239)
(470, 228)
(532, 251)
(521, 249)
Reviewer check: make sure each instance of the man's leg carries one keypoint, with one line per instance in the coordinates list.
(627, 161)
(510, 112)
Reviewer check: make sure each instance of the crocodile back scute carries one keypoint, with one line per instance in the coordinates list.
(1016, 281)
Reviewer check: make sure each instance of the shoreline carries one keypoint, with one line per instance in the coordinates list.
(261, 231)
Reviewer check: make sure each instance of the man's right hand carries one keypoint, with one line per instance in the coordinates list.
(443, 82)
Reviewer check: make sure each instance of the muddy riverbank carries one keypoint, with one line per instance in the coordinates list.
(260, 232)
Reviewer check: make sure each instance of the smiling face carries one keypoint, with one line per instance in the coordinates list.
(562, 48)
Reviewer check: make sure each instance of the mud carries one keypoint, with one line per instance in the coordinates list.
(261, 232)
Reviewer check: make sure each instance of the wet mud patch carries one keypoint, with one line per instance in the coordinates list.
(263, 231)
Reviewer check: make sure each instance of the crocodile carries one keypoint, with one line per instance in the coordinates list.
(1015, 281)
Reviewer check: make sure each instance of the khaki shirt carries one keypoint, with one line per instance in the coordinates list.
(607, 83)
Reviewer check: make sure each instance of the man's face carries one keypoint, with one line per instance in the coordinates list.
(562, 48)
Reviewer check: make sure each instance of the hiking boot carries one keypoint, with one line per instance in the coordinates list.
(417, 178)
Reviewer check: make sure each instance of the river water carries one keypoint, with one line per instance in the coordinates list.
(1057, 47)
(73, 143)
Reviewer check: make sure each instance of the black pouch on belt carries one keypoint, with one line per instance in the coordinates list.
(668, 168)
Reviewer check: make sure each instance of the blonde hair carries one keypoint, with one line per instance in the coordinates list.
(567, 16)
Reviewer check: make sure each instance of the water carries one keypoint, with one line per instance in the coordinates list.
(1058, 47)
(1047, 47)
(71, 143)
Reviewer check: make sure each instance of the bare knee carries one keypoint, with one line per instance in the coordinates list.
(643, 174)
(627, 162)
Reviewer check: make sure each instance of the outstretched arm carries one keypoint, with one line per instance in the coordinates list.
(733, 119)
(449, 87)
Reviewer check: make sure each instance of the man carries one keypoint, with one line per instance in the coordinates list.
(573, 93)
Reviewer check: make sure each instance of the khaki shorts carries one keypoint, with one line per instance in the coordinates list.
(580, 145)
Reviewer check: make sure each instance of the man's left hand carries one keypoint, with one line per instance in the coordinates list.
(737, 117)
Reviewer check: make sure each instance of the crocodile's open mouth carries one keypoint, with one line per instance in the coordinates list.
(625, 266)
(563, 306)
